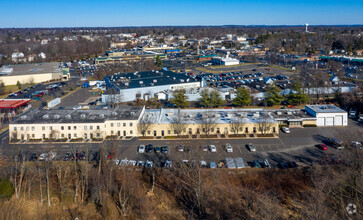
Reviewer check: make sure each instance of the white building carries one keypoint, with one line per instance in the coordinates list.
(328, 115)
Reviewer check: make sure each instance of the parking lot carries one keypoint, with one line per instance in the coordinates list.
(298, 146)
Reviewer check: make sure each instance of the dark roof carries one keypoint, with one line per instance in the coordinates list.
(79, 116)
(147, 78)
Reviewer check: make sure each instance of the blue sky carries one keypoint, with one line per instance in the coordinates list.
(110, 13)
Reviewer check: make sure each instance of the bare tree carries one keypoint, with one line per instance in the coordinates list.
(178, 123)
(144, 124)
(237, 124)
(265, 123)
(208, 122)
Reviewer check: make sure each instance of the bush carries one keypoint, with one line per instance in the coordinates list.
(309, 125)
(6, 189)
(281, 126)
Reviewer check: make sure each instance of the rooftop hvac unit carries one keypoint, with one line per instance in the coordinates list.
(151, 84)
(83, 116)
(102, 116)
(46, 116)
(174, 78)
(188, 80)
(126, 84)
(243, 114)
(138, 76)
(114, 113)
(68, 116)
(56, 116)
(141, 82)
(279, 113)
(289, 113)
(155, 80)
(156, 71)
(181, 80)
(256, 114)
(23, 117)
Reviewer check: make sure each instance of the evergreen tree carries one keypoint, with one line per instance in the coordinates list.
(159, 62)
(273, 96)
(243, 97)
(297, 97)
(179, 99)
(18, 84)
(2, 88)
(210, 98)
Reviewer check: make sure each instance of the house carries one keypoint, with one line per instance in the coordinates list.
(42, 55)
(268, 81)
(44, 42)
(334, 79)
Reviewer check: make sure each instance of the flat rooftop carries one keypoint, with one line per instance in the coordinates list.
(148, 78)
(54, 116)
(13, 103)
(34, 68)
(325, 108)
(219, 116)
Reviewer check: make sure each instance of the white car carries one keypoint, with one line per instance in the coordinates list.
(132, 163)
(141, 149)
(229, 148)
(212, 148)
(286, 130)
(357, 144)
(149, 164)
(251, 147)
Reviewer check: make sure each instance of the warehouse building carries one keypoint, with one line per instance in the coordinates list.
(125, 87)
(32, 73)
(328, 115)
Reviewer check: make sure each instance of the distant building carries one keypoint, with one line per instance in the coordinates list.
(328, 115)
(144, 85)
(225, 61)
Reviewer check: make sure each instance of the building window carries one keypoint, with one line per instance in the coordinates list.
(27, 128)
(169, 132)
(62, 135)
(75, 135)
(21, 128)
(212, 129)
(130, 124)
(98, 127)
(118, 124)
(50, 135)
(50, 128)
(43, 128)
(62, 128)
(74, 127)
(148, 132)
(130, 132)
(85, 127)
(33, 135)
(111, 125)
(98, 134)
(91, 127)
(174, 131)
(246, 130)
(14, 128)
(124, 124)
(254, 129)
(33, 128)
(111, 132)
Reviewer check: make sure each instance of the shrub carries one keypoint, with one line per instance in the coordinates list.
(309, 125)
(6, 189)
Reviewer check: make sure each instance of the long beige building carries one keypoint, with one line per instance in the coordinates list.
(65, 125)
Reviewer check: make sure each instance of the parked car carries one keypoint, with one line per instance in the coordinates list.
(357, 145)
(180, 148)
(292, 164)
(322, 146)
(251, 147)
(164, 149)
(257, 164)
(212, 165)
(149, 163)
(141, 149)
(266, 164)
(203, 164)
(168, 164)
(212, 148)
(205, 148)
(188, 149)
(229, 148)
(157, 149)
(149, 148)
(140, 163)
(286, 130)
(337, 143)
(132, 163)
(282, 165)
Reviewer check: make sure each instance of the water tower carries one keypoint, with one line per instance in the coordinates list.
(306, 27)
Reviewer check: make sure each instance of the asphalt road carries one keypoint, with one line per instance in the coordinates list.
(298, 146)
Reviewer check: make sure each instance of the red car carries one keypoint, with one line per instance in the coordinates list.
(322, 146)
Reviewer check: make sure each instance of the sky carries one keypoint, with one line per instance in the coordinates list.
(120, 13)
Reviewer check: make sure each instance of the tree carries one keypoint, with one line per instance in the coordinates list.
(210, 98)
(18, 84)
(2, 88)
(179, 98)
(265, 123)
(297, 96)
(243, 97)
(144, 125)
(177, 124)
(159, 62)
(236, 124)
(273, 96)
(208, 122)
